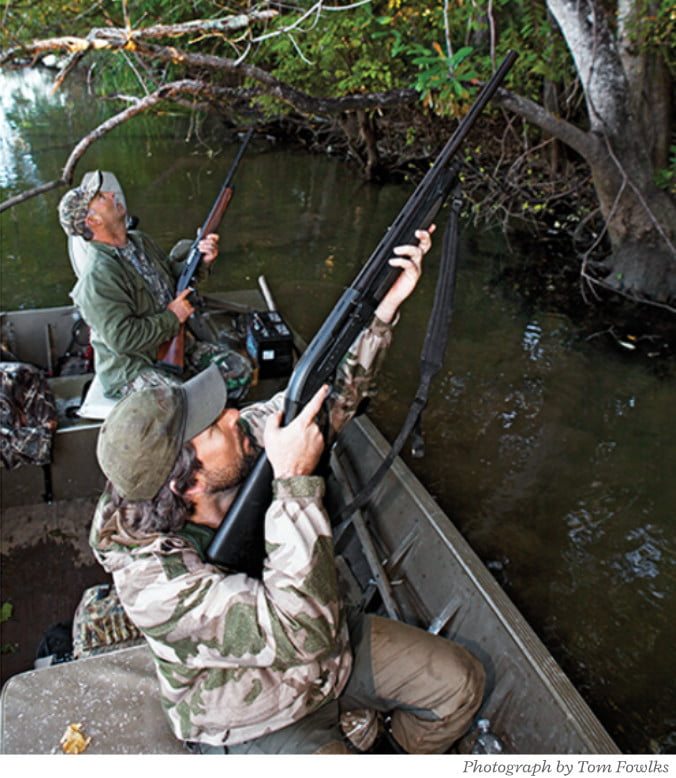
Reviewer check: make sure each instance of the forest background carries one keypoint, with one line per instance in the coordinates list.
(577, 147)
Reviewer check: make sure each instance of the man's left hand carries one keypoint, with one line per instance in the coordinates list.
(409, 259)
(209, 247)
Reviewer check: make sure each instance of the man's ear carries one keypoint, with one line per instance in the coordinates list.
(192, 491)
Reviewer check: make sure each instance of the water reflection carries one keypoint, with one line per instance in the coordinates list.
(584, 527)
(23, 96)
(531, 340)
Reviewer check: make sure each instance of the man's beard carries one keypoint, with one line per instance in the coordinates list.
(225, 478)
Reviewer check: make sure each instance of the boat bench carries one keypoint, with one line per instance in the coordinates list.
(114, 696)
(73, 471)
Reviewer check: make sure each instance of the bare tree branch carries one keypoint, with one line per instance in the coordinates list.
(119, 39)
(300, 101)
(116, 38)
(583, 142)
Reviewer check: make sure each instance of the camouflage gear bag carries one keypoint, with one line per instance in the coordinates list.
(27, 415)
(100, 623)
(235, 368)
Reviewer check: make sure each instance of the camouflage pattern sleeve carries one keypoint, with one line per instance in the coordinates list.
(255, 415)
(191, 608)
(356, 374)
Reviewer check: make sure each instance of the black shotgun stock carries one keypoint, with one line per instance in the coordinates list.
(239, 542)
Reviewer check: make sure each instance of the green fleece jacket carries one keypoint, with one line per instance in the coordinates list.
(128, 324)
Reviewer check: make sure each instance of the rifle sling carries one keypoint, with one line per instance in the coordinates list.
(431, 359)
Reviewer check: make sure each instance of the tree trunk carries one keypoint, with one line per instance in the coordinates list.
(649, 83)
(640, 218)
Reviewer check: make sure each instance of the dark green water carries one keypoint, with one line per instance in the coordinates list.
(552, 454)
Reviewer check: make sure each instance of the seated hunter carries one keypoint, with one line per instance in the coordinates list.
(126, 294)
(269, 664)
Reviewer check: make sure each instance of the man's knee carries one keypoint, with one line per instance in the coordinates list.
(436, 685)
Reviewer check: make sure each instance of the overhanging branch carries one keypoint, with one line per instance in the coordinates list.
(117, 38)
(120, 39)
(583, 142)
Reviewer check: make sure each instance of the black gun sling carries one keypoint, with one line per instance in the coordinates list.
(431, 359)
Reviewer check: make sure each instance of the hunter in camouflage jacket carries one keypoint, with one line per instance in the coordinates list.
(239, 657)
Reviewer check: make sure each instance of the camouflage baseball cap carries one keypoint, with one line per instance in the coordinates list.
(141, 438)
(74, 205)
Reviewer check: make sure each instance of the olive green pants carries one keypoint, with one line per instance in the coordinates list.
(431, 686)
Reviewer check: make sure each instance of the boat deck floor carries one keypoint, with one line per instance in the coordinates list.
(37, 544)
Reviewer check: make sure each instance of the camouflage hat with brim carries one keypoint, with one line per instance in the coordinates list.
(74, 205)
(142, 436)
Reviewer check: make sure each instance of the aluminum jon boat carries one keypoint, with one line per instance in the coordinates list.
(400, 556)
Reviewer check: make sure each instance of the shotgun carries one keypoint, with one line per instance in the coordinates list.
(171, 354)
(238, 544)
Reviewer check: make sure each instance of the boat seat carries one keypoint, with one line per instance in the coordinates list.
(114, 696)
(77, 251)
(96, 405)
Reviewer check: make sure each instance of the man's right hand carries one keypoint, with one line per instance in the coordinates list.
(295, 450)
(181, 307)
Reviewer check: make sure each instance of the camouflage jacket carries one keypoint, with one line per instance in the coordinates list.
(239, 657)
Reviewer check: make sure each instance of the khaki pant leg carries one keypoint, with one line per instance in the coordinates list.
(433, 686)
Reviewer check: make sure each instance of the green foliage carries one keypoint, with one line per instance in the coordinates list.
(440, 80)
(651, 27)
(28, 19)
(6, 611)
(666, 178)
(24, 20)
(381, 46)
(436, 47)
(334, 55)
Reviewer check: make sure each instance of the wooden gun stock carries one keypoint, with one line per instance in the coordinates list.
(171, 354)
